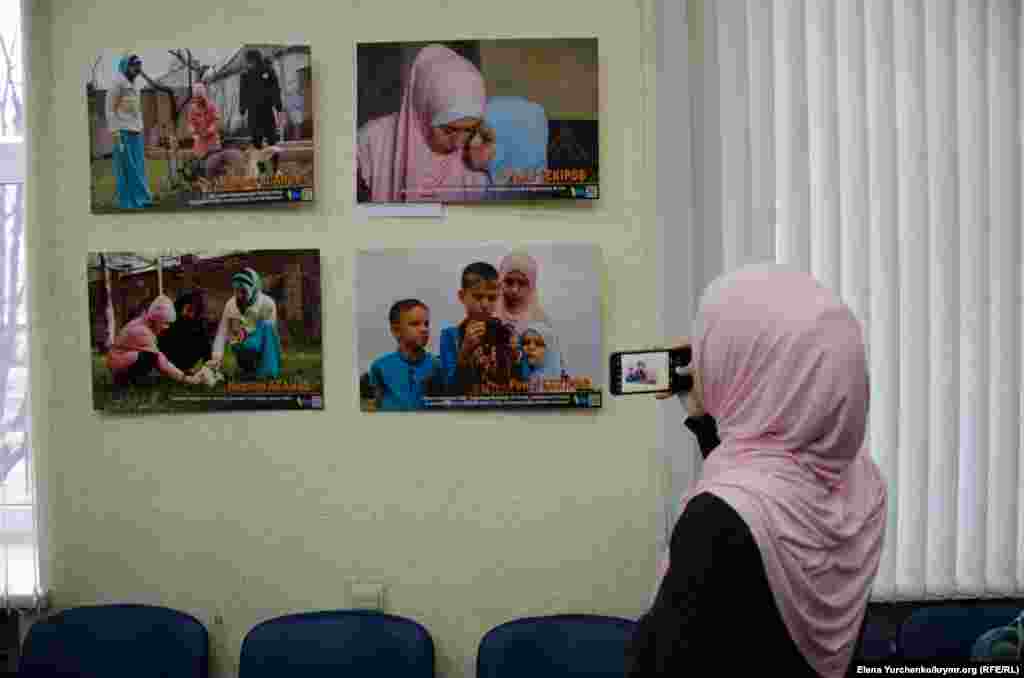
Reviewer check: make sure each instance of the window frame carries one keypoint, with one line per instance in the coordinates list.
(13, 171)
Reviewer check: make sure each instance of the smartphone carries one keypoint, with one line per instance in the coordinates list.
(650, 371)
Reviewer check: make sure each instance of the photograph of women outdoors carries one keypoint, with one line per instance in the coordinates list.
(205, 331)
(480, 120)
(182, 128)
(484, 326)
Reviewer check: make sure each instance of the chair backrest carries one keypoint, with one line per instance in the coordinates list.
(353, 643)
(556, 646)
(949, 632)
(116, 641)
(877, 645)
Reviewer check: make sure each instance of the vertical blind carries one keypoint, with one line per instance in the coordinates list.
(877, 145)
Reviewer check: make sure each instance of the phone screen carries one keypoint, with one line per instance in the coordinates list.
(644, 372)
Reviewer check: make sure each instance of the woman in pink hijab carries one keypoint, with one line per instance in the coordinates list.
(772, 561)
(417, 154)
(204, 118)
(519, 302)
(135, 354)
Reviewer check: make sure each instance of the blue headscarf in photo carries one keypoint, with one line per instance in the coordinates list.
(125, 62)
(551, 368)
(521, 130)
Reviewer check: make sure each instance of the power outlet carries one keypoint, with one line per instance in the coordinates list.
(365, 595)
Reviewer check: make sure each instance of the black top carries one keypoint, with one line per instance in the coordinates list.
(715, 604)
(260, 91)
(186, 342)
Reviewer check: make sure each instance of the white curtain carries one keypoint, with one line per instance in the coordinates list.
(877, 144)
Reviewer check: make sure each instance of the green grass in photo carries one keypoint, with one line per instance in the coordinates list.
(301, 365)
(104, 184)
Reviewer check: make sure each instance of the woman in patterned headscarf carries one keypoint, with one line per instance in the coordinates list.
(205, 118)
(135, 354)
(250, 317)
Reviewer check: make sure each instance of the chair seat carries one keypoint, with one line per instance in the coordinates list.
(948, 633)
(353, 643)
(116, 641)
(556, 646)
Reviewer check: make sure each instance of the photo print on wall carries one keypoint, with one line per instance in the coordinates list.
(195, 331)
(477, 120)
(479, 327)
(186, 128)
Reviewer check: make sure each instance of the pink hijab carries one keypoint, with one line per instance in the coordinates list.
(395, 158)
(204, 118)
(139, 335)
(785, 376)
(531, 311)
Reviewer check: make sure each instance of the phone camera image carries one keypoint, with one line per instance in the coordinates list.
(645, 372)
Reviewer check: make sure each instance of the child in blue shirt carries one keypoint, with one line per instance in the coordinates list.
(481, 349)
(401, 379)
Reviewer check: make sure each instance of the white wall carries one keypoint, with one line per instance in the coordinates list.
(261, 514)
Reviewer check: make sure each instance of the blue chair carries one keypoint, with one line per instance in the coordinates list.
(876, 645)
(556, 646)
(948, 633)
(116, 641)
(353, 643)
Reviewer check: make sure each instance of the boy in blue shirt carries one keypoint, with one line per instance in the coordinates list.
(481, 349)
(400, 379)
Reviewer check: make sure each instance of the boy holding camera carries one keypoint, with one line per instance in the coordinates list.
(481, 350)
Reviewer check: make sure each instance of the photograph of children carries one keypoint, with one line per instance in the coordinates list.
(644, 372)
(485, 326)
(194, 331)
(184, 127)
(469, 121)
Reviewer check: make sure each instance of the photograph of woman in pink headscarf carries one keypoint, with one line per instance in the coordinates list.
(467, 121)
(463, 327)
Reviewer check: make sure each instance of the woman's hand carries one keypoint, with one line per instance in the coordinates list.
(693, 400)
(480, 150)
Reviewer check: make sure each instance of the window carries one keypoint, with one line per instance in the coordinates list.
(18, 544)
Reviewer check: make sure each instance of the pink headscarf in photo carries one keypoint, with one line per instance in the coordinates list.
(784, 373)
(161, 310)
(531, 311)
(139, 334)
(395, 157)
(204, 117)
